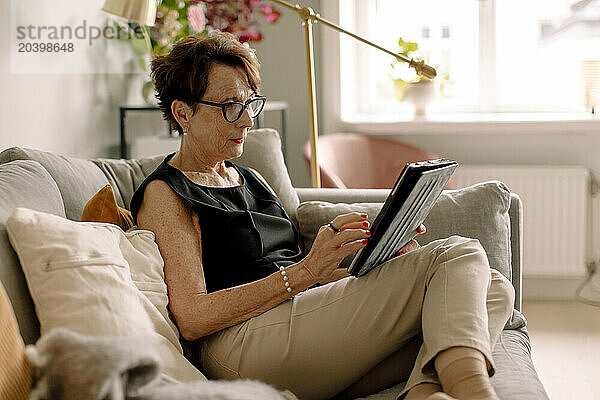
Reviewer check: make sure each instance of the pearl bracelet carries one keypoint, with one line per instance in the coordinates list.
(285, 279)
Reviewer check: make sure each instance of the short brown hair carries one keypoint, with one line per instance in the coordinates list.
(182, 74)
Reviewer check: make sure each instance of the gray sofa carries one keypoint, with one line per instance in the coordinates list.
(62, 185)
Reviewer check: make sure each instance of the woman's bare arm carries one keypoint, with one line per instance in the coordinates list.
(197, 313)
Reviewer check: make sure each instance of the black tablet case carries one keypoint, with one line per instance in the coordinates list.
(413, 196)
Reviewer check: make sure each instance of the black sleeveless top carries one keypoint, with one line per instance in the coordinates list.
(246, 234)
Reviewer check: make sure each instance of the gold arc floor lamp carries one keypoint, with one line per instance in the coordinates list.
(309, 17)
(144, 12)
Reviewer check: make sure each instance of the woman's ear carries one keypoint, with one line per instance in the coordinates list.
(181, 112)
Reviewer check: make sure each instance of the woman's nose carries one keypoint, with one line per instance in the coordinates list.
(246, 120)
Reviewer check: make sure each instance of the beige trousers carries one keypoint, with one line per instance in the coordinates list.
(327, 338)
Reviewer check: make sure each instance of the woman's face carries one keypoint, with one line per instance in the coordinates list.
(212, 136)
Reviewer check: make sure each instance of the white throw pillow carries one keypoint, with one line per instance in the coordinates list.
(97, 280)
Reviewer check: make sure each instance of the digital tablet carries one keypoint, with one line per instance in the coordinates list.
(415, 192)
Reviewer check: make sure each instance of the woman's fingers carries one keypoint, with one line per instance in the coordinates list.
(331, 247)
(348, 235)
(328, 249)
(352, 246)
(413, 244)
(362, 224)
(344, 219)
(410, 246)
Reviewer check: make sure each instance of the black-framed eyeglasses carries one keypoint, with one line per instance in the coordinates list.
(233, 110)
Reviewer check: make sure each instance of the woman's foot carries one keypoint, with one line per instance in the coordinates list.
(464, 375)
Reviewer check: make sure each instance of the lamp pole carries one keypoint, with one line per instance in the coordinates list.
(309, 16)
(315, 170)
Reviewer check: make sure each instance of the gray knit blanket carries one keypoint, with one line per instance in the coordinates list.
(70, 366)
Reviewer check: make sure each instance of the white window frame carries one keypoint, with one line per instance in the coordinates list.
(483, 122)
(487, 55)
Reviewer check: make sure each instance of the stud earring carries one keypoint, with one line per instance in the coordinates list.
(185, 131)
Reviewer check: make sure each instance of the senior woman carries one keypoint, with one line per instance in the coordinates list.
(256, 307)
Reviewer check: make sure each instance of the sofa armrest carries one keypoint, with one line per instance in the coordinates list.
(516, 244)
(379, 195)
(343, 195)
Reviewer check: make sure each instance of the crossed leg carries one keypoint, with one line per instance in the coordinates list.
(352, 336)
(462, 372)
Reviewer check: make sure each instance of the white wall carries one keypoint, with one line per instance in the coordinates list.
(77, 114)
(71, 114)
(283, 66)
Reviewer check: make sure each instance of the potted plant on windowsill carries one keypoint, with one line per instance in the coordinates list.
(408, 86)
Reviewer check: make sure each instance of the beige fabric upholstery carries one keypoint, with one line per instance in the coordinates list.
(126, 175)
(457, 212)
(262, 152)
(95, 279)
(40, 192)
(77, 179)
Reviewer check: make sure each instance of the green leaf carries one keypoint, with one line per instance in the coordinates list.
(139, 45)
(142, 63)
(411, 46)
(407, 47)
(120, 33)
(400, 89)
(185, 31)
(171, 4)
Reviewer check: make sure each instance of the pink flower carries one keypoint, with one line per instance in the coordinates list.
(272, 18)
(266, 9)
(270, 13)
(250, 36)
(196, 18)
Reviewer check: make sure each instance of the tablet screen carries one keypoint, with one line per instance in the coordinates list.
(410, 201)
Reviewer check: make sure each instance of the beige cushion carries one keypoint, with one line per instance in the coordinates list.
(40, 193)
(262, 152)
(15, 373)
(125, 176)
(77, 179)
(479, 211)
(97, 280)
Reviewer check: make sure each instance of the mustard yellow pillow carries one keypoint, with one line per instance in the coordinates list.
(103, 208)
(15, 373)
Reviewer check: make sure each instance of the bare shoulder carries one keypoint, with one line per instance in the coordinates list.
(177, 230)
(162, 208)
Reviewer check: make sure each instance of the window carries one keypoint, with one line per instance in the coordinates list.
(498, 56)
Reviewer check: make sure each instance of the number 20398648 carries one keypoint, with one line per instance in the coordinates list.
(35, 47)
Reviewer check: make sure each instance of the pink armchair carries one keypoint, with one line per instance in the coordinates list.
(350, 160)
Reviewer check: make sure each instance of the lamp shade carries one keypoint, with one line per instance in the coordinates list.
(140, 11)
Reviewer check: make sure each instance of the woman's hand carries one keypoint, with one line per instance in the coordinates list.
(412, 245)
(330, 247)
(336, 275)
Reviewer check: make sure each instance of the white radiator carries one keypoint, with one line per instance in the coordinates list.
(557, 229)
